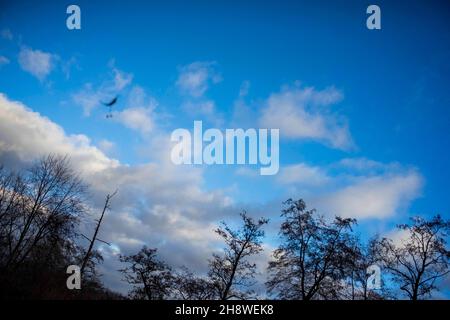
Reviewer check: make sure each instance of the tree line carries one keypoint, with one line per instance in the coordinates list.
(42, 208)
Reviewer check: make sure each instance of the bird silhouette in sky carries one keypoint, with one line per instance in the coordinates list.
(110, 105)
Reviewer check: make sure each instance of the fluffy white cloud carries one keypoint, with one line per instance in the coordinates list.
(139, 113)
(106, 146)
(139, 119)
(195, 78)
(158, 203)
(358, 188)
(36, 62)
(25, 135)
(373, 197)
(302, 113)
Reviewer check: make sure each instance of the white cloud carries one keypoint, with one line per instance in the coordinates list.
(398, 236)
(158, 203)
(68, 65)
(90, 96)
(36, 62)
(25, 135)
(195, 78)
(206, 108)
(139, 119)
(302, 113)
(121, 79)
(373, 197)
(303, 174)
(359, 188)
(106, 146)
(139, 113)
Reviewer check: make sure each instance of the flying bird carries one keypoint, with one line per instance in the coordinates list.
(110, 105)
(112, 102)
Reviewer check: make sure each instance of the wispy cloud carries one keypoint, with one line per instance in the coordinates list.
(3, 60)
(90, 96)
(244, 89)
(303, 113)
(68, 65)
(205, 109)
(302, 174)
(374, 197)
(106, 146)
(359, 188)
(36, 62)
(195, 78)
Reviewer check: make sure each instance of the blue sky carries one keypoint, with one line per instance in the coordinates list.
(383, 92)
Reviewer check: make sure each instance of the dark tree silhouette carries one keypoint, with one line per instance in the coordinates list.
(232, 273)
(420, 260)
(40, 211)
(309, 263)
(188, 286)
(152, 278)
(92, 241)
(43, 206)
(360, 258)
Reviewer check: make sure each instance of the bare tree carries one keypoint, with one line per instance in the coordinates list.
(97, 228)
(309, 263)
(420, 260)
(188, 286)
(40, 212)
(152, 279)
(232, 273)
(361, 257)
(12, 189)
(44, 205)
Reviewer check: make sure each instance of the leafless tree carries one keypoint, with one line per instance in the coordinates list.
(152, 278)
(43, 205)
(360, 258)
(92, 241)
(232, 273)
(188, 286)
(310, 261)
(420, 260)
(40, 211)
(12, 189)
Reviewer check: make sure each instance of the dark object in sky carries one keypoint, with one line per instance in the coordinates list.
(112, 102)
(109, 105)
